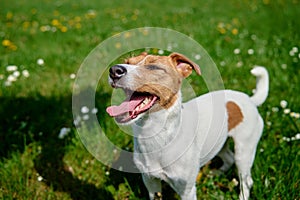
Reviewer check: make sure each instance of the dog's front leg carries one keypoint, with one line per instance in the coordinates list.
(189, 194)
(152, 184)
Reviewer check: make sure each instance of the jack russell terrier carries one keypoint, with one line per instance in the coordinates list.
(172, 140)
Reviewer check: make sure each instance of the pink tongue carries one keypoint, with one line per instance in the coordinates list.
(126, 106)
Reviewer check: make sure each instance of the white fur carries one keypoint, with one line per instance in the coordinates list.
(172, 144)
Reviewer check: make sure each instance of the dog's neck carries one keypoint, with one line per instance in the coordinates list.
(157, 129)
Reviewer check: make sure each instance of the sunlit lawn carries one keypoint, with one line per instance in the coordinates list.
(42, 45)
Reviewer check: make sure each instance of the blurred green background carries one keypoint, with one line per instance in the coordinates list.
(44, 42)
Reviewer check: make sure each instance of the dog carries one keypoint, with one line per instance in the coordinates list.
(172, 140)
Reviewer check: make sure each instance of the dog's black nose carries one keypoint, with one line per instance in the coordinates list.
(117, 71)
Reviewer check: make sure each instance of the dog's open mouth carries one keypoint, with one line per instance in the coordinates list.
(134, 105)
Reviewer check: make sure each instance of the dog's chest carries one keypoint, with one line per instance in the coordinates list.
(150, 164)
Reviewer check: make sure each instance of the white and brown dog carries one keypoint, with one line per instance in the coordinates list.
(172, 140)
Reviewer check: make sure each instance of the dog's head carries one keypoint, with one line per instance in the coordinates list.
(151, 83)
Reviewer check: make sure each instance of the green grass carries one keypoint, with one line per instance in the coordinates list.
(36, 164)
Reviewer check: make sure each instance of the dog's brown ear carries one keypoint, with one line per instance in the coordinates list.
(136, 59)
(184, 65)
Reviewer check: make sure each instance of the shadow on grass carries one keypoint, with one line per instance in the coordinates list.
(39, 119)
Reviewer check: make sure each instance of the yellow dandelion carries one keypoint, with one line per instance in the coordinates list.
(9, 24)
(228, 26)
(235, 21)
(234, 31)
(35, 24)
(33, 11)
(56, 13)
(26, 24)
(9, 15)
(63, 29)
(45, 28)
(77, 19)
(155, 51)
(71, 22)
(78, 25)
(6, 43)
(91, 14)
(136, 12)
(118, 45)
(145, 32)
(13, 47)
(134, 17)
(55, 22)
(127, 35)
(221, 25)
(222, 30)
(9, 45)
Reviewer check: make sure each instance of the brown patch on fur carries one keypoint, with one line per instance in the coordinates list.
(181, 63)
(167, 97)
(235, 115)
(135, 60)
(161, 75)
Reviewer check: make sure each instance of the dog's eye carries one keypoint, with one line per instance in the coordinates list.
(154, 67)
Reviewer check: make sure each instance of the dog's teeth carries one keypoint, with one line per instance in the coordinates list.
(143, 104)
(146, 101)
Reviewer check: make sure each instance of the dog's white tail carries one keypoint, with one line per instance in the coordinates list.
(262, 85)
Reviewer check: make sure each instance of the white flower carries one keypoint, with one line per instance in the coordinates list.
(25, 73)
(63, 132)
(292, 114)
(235, 182)
(7, 83)
(16, 74)
(11, 78)
(40, 61)
(286, 111)
(283, 103)
(39, 178)
(84, 109)
(72, 76)
(253, 37)
(275, 109)
(292, 53)
(11, 68)
(223, 63)
(160, 52)
(297, 136)
(250, 51)
(236, 51)
(198, 57)
(261, 150)
(286, 139)
(85, 117)
(115, 151)
(239, 64)
(53, 29)
(284, 66)
(295, 49)
(77, 120)
(94, 110)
